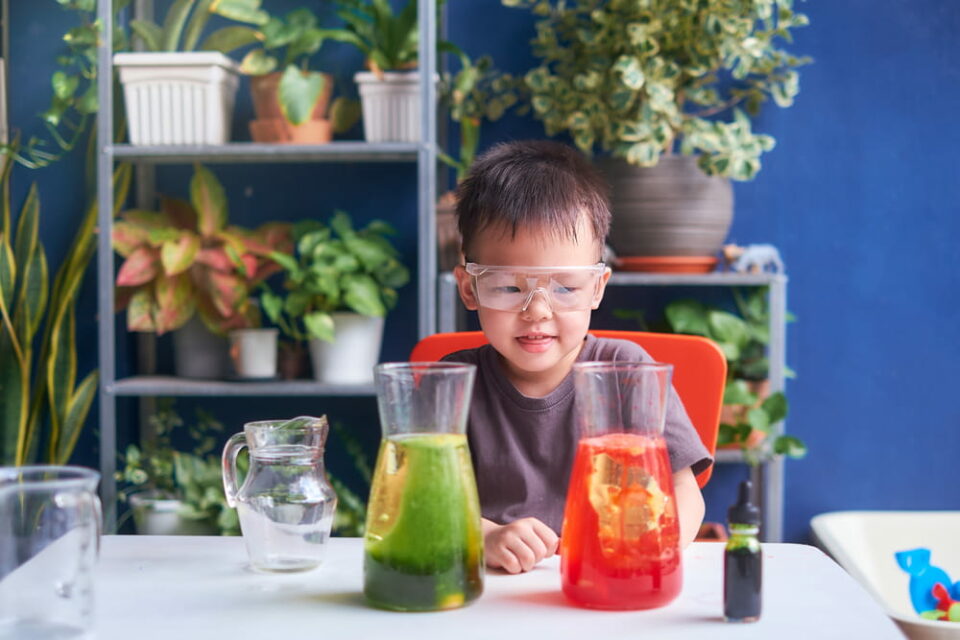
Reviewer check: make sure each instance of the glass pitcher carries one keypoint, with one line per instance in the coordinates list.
(50, 521)
(286, 503)
(423, 548)
(620, 544)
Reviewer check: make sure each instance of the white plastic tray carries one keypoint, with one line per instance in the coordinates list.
(864, 543)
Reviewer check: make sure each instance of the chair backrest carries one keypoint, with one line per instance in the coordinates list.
(699, 371)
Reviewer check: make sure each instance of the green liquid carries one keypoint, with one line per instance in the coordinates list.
(423, 547)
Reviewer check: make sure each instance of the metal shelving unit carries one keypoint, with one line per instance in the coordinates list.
(423, 153)
(768, 477)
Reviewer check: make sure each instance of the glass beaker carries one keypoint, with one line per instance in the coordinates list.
(50, 521)
(620, 544)
(286, 503)
(423, 548)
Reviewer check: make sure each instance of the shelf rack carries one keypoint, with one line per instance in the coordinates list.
(422, 152)
(768, 477)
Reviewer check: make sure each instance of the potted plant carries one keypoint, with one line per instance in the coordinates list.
(750, 411)
(338, 288)
(476, 92)
(390, 90)
(185, 261)
(289, 99)
(667, 93)
(176, 492)
(181, 90)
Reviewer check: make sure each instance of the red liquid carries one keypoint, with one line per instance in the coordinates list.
(620, 547)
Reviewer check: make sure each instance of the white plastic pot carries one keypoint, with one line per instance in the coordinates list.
(254, 352)
(391, 106)
(355, 349)
(177, 98)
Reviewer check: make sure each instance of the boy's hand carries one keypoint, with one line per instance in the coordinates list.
(519, 545)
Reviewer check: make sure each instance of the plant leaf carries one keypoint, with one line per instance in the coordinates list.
(175, 302)
(319, 325)
(362, 294)
(173, 24)
(151, 34)
(209, 201)
(178, 255)
(227, 39)
(141, 267)
(126, 237)
(140, 312)
(76, 416)
(298, 94)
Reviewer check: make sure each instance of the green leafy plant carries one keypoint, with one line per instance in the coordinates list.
(193, 477)
(388, 39)
(185, 259)
(641, 77)
(336, 268)
(42, 406)
(287, 44)
(74, 101)
(186, 20)
(475, 93)
(743, 339)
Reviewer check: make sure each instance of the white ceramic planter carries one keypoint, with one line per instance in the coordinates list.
(391, 106)
(350, 358)
(160, 517)
(254, 352)
(176, 98)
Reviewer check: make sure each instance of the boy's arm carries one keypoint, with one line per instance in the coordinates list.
(690, 507)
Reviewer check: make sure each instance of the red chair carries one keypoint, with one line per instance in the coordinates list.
(699, 371)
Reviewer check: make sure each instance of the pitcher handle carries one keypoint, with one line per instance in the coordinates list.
(230, 452)
(97, 508)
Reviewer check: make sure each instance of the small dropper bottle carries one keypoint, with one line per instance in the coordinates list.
(742, 561)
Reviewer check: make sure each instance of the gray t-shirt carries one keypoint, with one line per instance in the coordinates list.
(523, 448)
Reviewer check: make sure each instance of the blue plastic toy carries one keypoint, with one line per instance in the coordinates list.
(923, 577)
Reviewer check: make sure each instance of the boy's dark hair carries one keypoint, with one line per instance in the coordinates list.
(532, 183)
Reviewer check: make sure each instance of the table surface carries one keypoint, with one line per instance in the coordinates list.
(201, 587)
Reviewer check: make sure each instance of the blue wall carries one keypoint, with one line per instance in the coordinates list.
(861, 196)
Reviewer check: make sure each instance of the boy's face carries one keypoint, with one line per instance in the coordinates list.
(541, 336)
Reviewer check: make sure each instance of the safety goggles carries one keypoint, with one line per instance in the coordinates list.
(513, 288)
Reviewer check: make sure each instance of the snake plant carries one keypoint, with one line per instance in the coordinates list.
(42, 407)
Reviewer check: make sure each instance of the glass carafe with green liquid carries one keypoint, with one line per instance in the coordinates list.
(423, 548)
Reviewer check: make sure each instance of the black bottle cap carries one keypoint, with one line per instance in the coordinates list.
(744, 512)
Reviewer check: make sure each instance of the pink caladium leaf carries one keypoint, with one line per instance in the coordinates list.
(216, 258)
(126, 237)
(178, 255)
(140, 312)
(226, 291)
(180, 212)
(175, 302)
(209, 201)
(140, 267)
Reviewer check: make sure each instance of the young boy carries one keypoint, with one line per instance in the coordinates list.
(526, 206)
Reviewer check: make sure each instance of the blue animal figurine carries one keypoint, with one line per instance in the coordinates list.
(923, 577)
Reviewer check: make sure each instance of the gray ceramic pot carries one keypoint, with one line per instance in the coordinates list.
(672, 209)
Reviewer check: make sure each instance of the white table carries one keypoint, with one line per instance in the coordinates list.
(182, 588)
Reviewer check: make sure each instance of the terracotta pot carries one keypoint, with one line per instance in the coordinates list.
(278, 130)
(264, 89)
(733, 414)
(293, 361)
(448, 236)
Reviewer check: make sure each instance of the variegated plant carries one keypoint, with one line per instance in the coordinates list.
(42, 407)
(641, 78)
(185, 259)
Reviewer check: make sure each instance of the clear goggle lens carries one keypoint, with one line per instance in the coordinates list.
(513, 288)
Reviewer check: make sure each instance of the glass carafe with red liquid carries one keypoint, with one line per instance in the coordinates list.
(620, 545)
